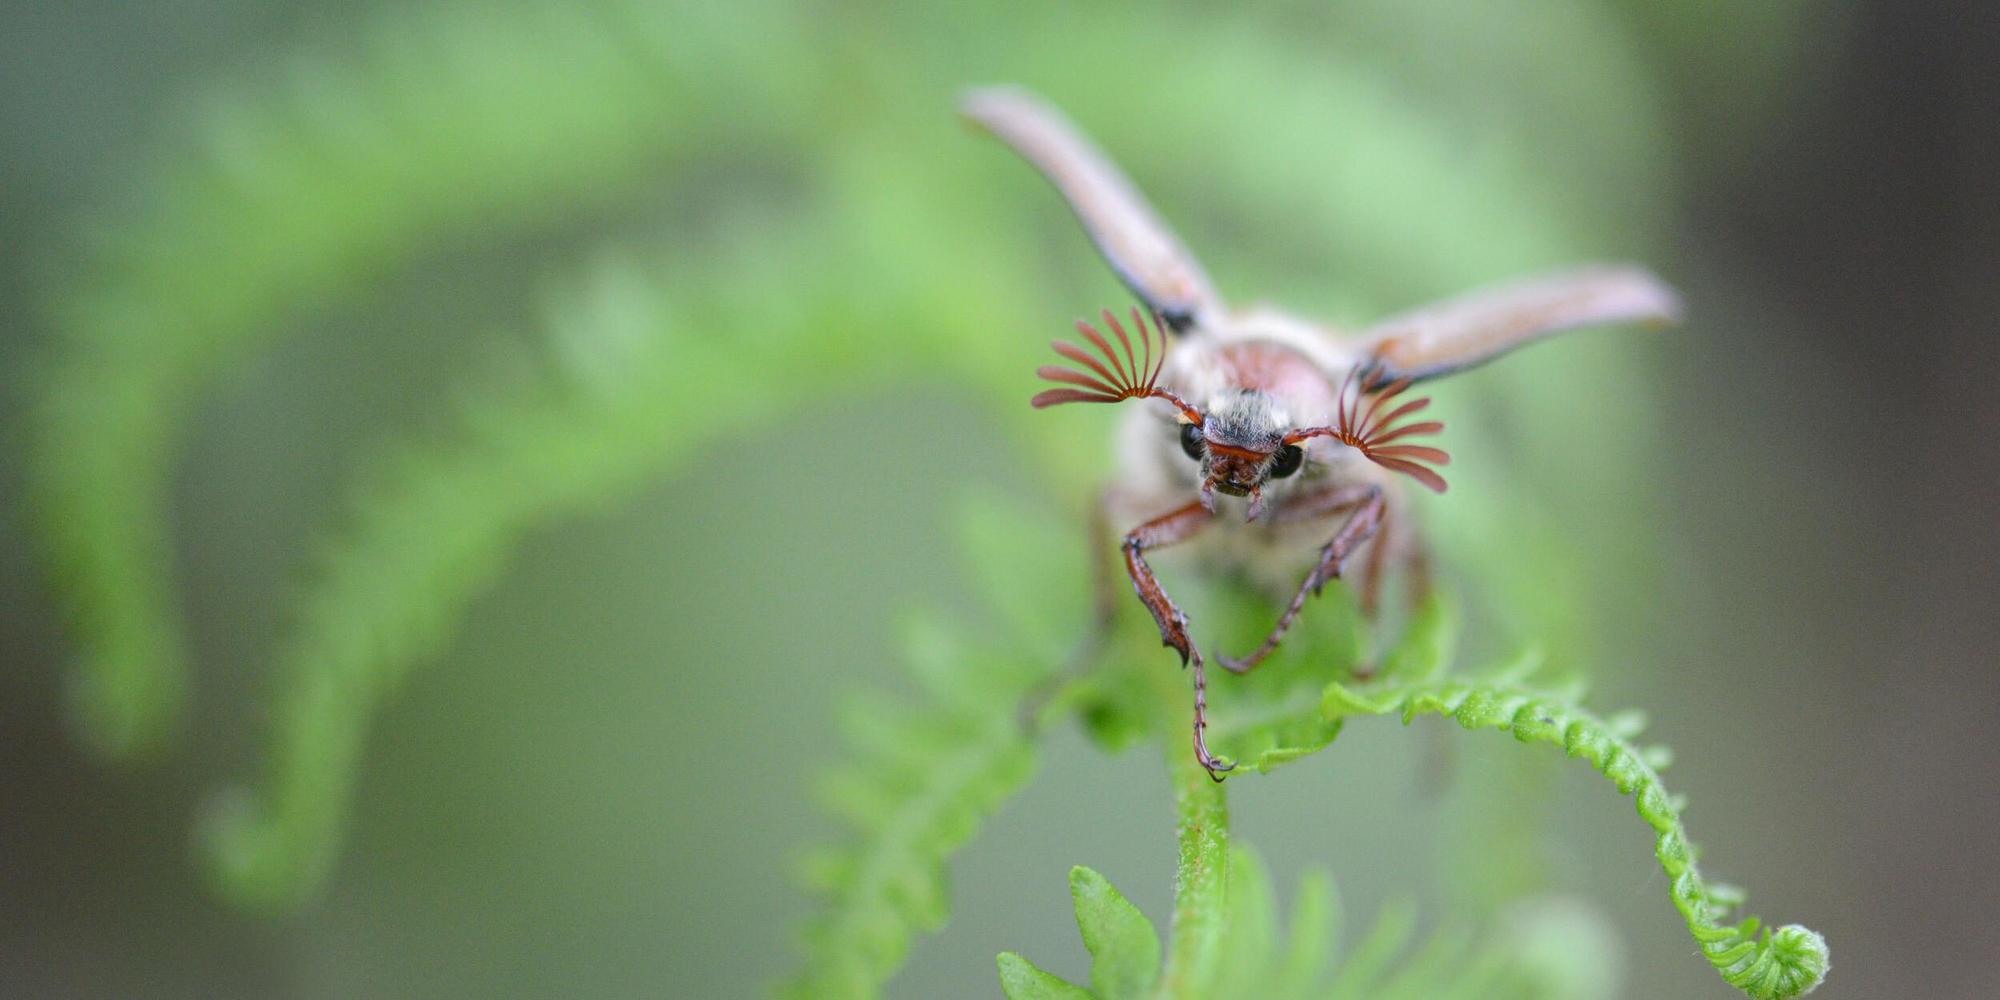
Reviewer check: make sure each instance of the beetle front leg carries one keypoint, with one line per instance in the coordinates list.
(1174, 526)
(1368, 505)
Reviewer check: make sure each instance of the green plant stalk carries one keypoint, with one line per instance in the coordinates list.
(1201, 870)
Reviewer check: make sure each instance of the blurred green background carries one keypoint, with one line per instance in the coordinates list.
(1774, 528)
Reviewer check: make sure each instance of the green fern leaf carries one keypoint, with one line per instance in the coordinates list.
(1021, 979)
(911, 801)
(1273, 717)
(922, 783)
(1774, 964)
(1542, 953)
(1124, 947)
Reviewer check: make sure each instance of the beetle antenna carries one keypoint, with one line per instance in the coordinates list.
(1119, 375)
(1374, 431)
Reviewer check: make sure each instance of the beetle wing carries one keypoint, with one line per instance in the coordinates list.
(1477, 327)
(1139, 247)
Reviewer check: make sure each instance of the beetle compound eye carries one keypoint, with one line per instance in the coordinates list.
(1288, 461)
(1192, 441)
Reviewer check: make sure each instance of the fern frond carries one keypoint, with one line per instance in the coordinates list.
(1510, 963)
(634, 386)
(1272, 717)
(1413, 680)
(1114, 953)
(1124, 947)
(923, 781)
(1785, 962)
(1021, 979)
(307, 180)
(919, 788)
(913, 797)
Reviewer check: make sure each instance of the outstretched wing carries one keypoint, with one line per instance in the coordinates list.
(1139, 247)
(1477, 327)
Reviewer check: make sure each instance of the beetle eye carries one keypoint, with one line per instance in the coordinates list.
(1288, 461)
(1192, 441)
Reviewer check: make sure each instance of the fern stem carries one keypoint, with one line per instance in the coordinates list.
(1201, 870)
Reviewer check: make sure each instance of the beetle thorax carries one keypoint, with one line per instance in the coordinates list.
(1245, 418)
(1249, 382)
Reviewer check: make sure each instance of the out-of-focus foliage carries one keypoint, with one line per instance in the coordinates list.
(1544, 953)
(786, 213)
(615, 404)
(304, 184)
(927, 776)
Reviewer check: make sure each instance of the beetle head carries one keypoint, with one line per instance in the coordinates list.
(1242, 439)
(1241, 447)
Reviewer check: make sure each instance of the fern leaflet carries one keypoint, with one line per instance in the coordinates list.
(924, 780)
(1383, 964)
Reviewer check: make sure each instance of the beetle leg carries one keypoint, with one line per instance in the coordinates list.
(1360, 526)
(1174, 526)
